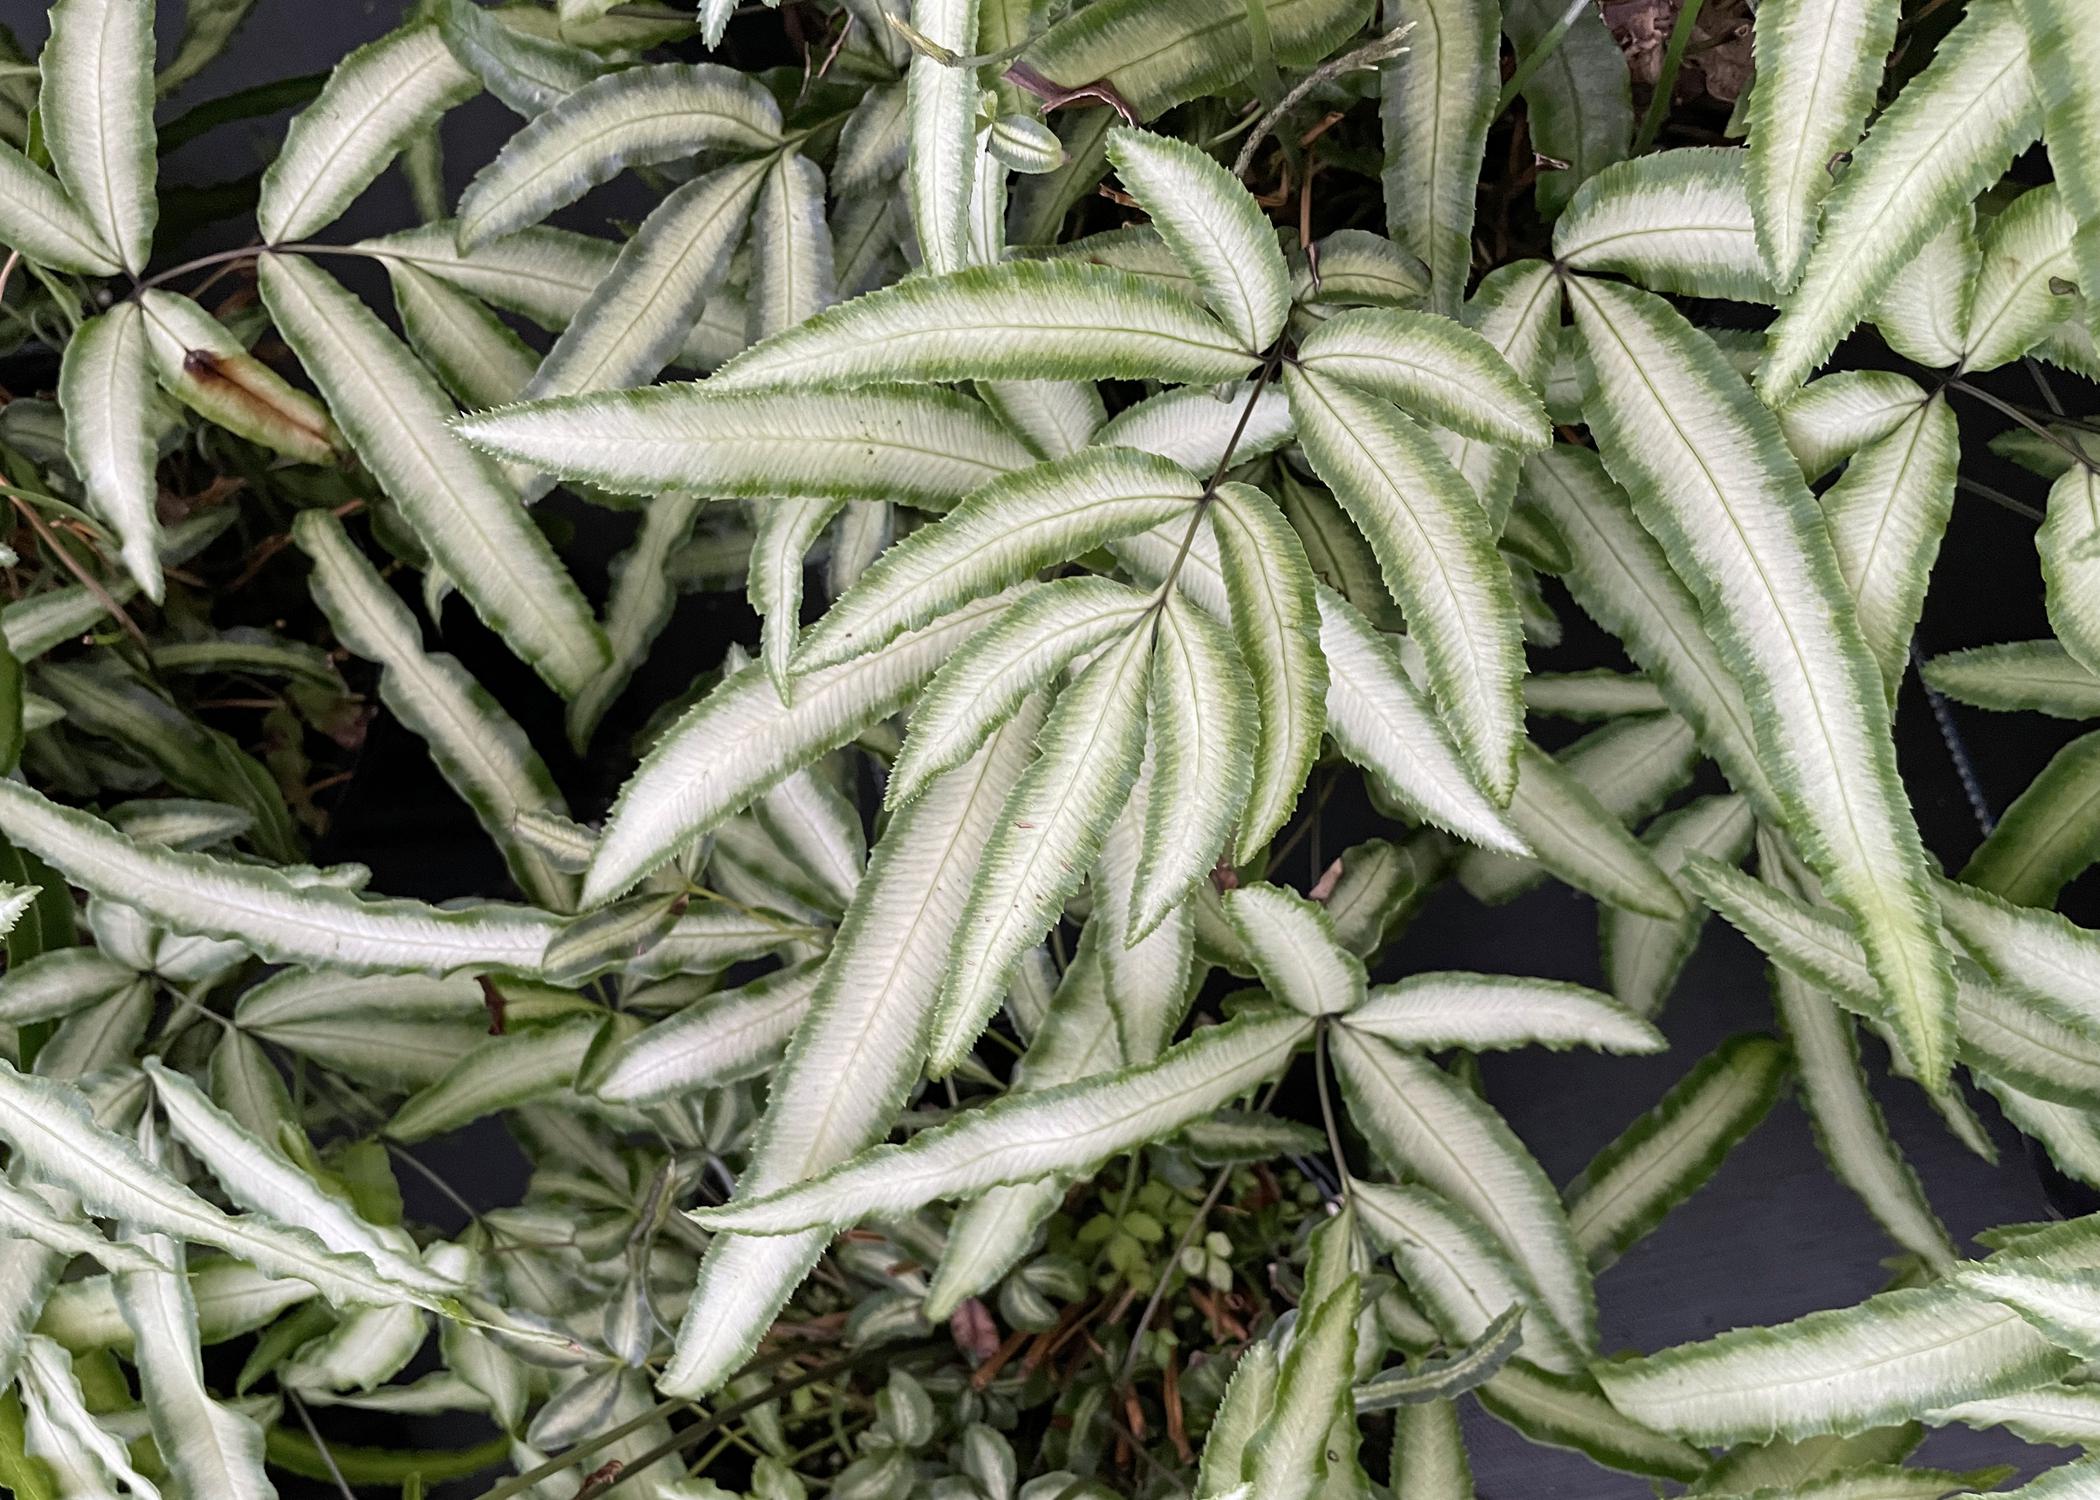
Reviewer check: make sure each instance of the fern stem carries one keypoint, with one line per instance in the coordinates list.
(1666, 78)
(1217, 475)
(1537, 57)
(2000, 404)
(681, 1440)
(1334, 1135)
(320, 1446)
(252, 252)
(1188, 1238)
(1369, 55)
(1998, 498)
(517, 1484)
(1957, 748)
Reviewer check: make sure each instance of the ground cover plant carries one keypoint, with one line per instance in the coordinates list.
(1155, 439)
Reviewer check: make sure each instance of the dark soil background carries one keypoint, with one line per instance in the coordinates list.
(1774, 1236)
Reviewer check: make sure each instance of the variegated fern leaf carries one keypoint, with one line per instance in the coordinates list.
(1140, 430)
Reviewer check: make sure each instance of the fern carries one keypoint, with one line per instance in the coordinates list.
(1140, 429)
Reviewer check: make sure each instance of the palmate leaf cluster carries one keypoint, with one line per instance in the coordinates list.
(887, 1047)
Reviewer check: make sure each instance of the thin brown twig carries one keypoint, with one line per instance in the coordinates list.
(270, 546)
(1369, 55)
(72, 565)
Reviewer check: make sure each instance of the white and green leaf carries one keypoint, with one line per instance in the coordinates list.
(96, 106)
(76, 1452)
(105, 387)
(40, 219)
(1442, 372)
(1924, 313)
(1620, 575)
(1029, 1135)
(1078, 1038)
(2069, 544)
(378, 99)
(1429, 1452)
(1948, 135)
(498, 1073)
(2047, 837)
(1049, 835)
(741, 739)
(1455, 1270)
(200, 363)
(1438, 558)
(1578, 838)
(1894, 1356)
(637, 319)
(913, 445)
(634, 117)
(1571, 1412)
(1643, 956)
(2034, 676)
(1201, 724)
(528, 71)
(1437, 101)
(2066, 62)
(1201, 427)
(1835, 416)
(396, 419)
(1379, 720)
(1025, 320)
(2023, 283)
(1294, 950)
(941, 111)
(1159, 53)
(1214, 227)
(46, 1217)
(1293, 1455)
(1676, 221)
(1710, 476)
(991, 675)
(1144, 975)
(256, 1175)
(210, 1447)
(267, 913)
(49, 1126)
(1001, 534)
(1429, 1128)
(1275, 618)
(870, 1018)
(1818, 67)
(477, 746)
(1492, 1012)
(1886, 516)
(1055, 418)
(1674, 1149)
(474, 353)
